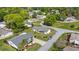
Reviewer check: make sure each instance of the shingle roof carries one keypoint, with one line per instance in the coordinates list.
(4, 31)
(18, 39)
(41, 29)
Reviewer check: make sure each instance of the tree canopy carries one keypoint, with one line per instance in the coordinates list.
(50, 20)
(15, 22)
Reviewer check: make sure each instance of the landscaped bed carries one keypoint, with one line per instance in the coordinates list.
(60, 43)
(41, 36)
(70, 26)
(34, 47)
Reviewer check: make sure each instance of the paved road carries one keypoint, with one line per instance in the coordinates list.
(54, 38)
(51, 41)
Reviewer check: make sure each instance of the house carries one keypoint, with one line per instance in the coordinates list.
(36, 11)
(42, 30)
(5, 32)
(2, 24)
(74, 38)
(70, 19)
(31, 13)
(14, 42)
(40, 16)
(57, 12)
(69, 48)
(28, 23)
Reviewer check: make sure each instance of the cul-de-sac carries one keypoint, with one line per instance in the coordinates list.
(39, 29)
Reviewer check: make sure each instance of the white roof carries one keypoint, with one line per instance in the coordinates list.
(72, 18)
(2, 24)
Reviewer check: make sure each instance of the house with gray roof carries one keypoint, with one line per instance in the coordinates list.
(40, 16)
(5, 32)
(42, 29)
(14, 42)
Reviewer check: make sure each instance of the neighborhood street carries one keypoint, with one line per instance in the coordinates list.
(54, 38)
(51, 41)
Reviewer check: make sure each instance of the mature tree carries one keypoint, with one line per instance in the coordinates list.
(24, 13)
(15, 22)
(50, 20)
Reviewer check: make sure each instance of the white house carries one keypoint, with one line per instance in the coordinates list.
(74, 38)
(70, 19)
(40, 16)
(28, 23)
(42, 30)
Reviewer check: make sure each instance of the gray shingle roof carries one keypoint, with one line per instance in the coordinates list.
(18, 39)
(4, 31)
(41, 29)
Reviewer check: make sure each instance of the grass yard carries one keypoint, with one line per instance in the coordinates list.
(5, 47)
(64, 36)
(54, 46)
(34, 47)
(36, 23)
(70, 26)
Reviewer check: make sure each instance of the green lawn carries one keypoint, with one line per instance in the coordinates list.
(36, 23)
(41, 36)
(54, 48)
(34, 47)
(5, 47)
(70, 26)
